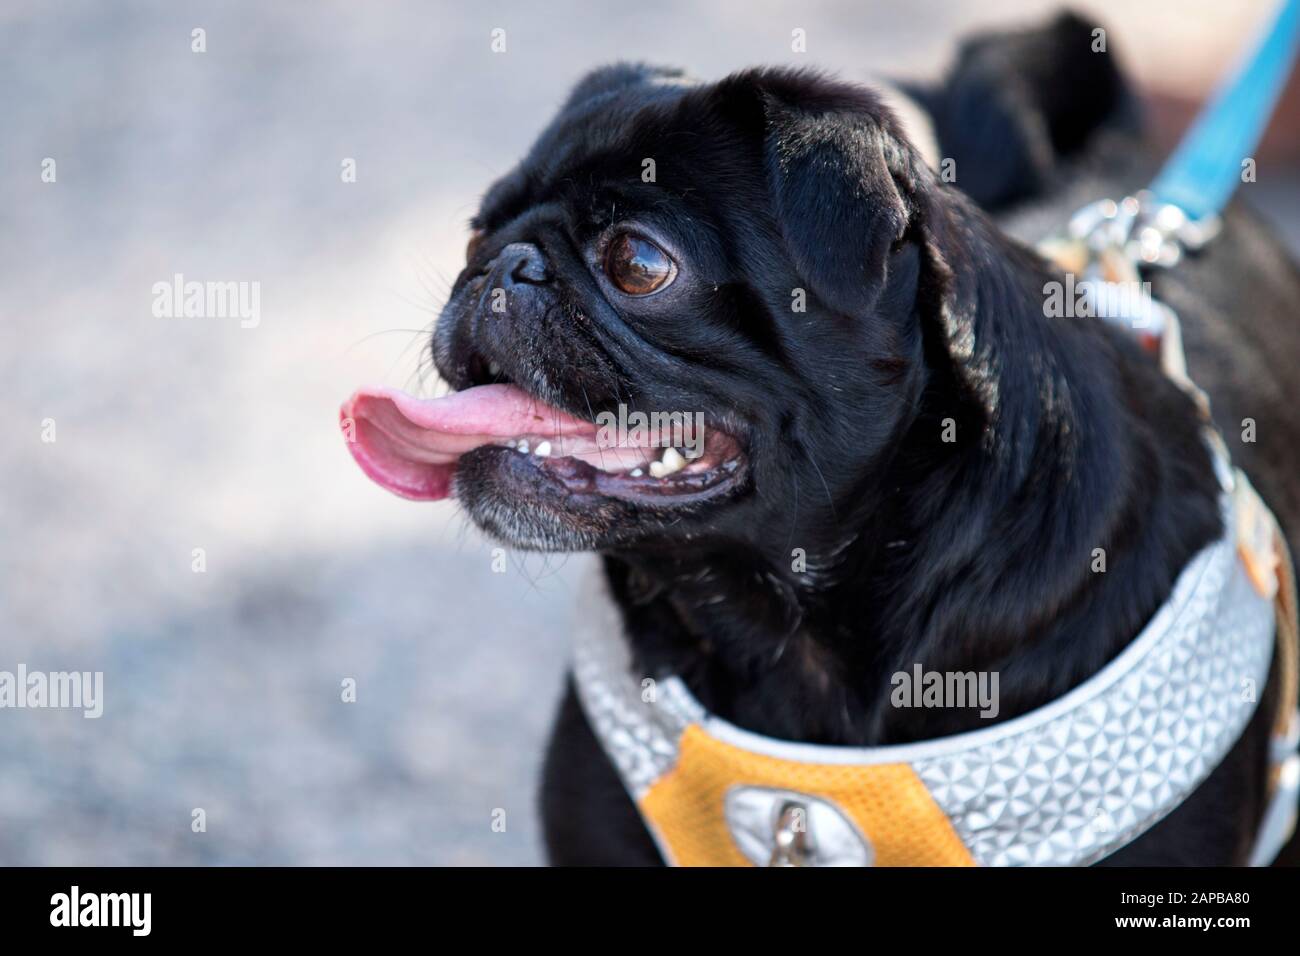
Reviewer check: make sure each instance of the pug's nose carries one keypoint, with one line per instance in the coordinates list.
(523, 262)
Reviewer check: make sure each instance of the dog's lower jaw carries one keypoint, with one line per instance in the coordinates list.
(552, 523)
(533, 530)
(496, 511)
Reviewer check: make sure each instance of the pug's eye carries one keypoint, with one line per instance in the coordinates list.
(474, 245)
(637, 266)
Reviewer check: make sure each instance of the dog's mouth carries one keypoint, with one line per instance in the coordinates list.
(414, 447)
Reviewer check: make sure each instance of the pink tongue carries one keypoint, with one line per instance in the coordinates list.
(410, 445)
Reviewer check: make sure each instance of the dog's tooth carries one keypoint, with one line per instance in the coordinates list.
(543, 449)
(636, 473)
(494, 369)
(657, 469)
(673, 461)
(523, 446)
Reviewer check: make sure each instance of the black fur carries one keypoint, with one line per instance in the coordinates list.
(972, 555)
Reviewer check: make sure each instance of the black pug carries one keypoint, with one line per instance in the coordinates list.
(588, 286)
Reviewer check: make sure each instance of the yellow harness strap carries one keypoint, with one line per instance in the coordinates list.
(887, 802)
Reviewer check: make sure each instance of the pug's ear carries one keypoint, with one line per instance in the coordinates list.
(834, 157)
(847, 187)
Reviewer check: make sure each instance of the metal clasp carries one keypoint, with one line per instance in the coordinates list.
(1147, 231)
(792, 844)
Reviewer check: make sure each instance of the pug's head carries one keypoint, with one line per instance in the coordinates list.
(737, 273)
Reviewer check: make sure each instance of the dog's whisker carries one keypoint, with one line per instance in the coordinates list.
(830, 501)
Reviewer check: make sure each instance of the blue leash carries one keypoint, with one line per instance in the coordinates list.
(1205, 169)
(1109, 241)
